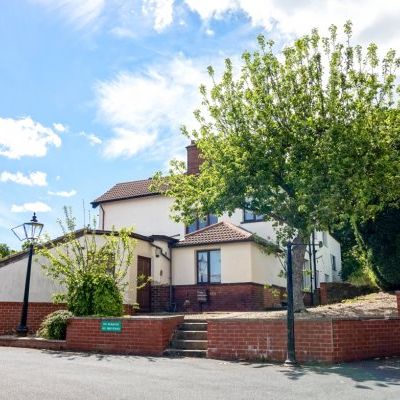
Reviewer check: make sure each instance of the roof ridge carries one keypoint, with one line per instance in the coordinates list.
(238, 228)
(138, 180)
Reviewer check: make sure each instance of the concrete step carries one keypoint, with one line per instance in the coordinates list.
(189, 344)
(193, 326)
(191, 335)
(185, 353)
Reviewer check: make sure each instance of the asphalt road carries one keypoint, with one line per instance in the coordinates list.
(41, 375)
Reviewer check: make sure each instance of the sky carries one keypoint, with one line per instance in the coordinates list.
(94, 92)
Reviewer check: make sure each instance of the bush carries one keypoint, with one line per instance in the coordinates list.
(55, 325)
(107, 298)
(381, 237)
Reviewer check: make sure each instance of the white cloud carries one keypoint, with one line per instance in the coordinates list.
(162, 10)
(80, 13)
(71, 193)
(37, 206)
(25, 137)
(60, 127)
(372, 22)
(140, 106)
(92, 138)
(33, 179)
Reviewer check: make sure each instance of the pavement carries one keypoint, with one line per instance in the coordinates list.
(46, 375)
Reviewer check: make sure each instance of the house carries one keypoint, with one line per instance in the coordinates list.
(217, 263)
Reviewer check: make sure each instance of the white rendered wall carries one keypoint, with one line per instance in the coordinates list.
(266, 268)
(148, 215)
(42, 288)
(235, 263)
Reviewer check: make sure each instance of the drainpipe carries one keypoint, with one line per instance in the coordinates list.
(314, 254)
(170, 277)
(311, 273)
(103, 216)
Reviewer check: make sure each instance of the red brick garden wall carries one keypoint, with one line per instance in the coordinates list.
(335, 292)
(10, 314)
(363, 339)
(222, 297)
(139, 335)
(323, 341)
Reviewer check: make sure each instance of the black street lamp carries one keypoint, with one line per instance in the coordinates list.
(291, 350)
(29, 231)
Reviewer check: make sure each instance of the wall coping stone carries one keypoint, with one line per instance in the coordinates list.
(132, 318)
(310, 320)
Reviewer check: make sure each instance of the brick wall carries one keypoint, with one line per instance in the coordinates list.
(160, 298)
(335, 292)
(363, 339)
(10, 314)
(222, 297)
(140, 335)
(316, 340)
(194, 159)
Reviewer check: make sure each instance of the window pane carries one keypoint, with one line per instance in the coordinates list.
(248, 215)
(202, 262)
(259, 217)
(215, 266)
(202, 222)
(192, 227)
(213, 219)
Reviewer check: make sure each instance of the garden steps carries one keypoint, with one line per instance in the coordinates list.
(189, 340)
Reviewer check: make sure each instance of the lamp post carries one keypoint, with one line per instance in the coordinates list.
(30, 232)
(291, 351)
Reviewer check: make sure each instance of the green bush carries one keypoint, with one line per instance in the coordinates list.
(55, 325)
(95, 294)
(107, 298)
(381, 238)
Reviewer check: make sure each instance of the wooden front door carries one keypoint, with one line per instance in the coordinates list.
(144, 293)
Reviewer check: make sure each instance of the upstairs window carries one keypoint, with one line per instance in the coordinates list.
(201, 223)
(333, 262)
(209, 266)
(325, 239)
(251, 216)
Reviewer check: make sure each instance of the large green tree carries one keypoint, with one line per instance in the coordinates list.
(306, 136)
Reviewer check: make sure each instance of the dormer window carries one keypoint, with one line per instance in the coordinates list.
(201, 223)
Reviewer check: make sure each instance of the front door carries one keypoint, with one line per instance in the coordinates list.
(144, 293)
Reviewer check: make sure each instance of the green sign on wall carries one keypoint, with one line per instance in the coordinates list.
(107, 325)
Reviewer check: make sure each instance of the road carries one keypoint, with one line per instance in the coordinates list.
(43, 375)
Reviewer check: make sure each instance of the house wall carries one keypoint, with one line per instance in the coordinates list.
(324, 266)
(148, 215)
(12, 282)
(42, 287)
(235, 263)
(151, 215)
(266, 268)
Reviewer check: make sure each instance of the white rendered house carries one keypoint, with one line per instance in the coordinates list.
(216, 263)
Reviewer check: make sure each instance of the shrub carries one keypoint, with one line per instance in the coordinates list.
(381, 238)
(55, 325)
(92, 269)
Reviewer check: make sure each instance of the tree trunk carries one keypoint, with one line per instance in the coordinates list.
(298, 257)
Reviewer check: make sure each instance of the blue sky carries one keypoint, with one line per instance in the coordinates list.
(94, 92)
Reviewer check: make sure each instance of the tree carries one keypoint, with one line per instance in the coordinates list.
(92, 272)
(5, 250)
(306, 137)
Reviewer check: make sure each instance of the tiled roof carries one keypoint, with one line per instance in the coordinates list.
(126, 190)
(221, 232)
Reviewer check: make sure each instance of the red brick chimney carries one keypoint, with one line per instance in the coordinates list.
(194, 159)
